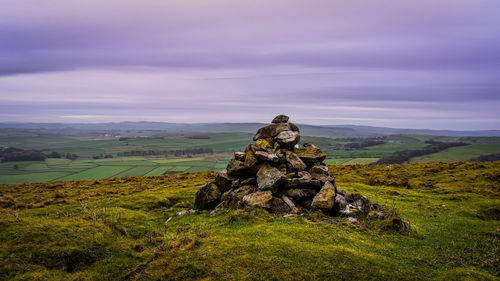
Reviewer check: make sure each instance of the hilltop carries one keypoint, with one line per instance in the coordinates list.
(133, 228)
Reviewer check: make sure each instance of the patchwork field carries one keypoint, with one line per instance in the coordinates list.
(128, 229)
(68, 170)
(156, 156)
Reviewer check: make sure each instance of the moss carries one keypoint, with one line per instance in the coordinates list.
(128, 229)
(263, 143)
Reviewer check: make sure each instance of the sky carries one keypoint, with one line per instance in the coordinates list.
(431, 64)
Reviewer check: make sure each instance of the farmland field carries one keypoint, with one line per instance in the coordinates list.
(179, 157)
(462, 153)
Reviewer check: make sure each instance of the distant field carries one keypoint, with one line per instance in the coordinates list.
(31, 177)
(361, 161)
(461, 153)
(221, 144)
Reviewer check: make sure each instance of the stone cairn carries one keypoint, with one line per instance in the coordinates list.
(281, 177)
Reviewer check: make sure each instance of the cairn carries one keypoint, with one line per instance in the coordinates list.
(281, 177)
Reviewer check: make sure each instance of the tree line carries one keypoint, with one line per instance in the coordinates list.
(11, 154)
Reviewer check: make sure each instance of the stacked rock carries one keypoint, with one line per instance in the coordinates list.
(278, 175)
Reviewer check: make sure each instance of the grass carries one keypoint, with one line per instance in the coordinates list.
(100, 172)
(361, 161)
(32, 177)
(462, 153)
(127, 229)
(136, 171)
(158, 171)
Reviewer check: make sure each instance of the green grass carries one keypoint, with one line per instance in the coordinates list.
(57, 161)
(100, 172)
(180, 168)
(337, 161)
(126, 229)
(361, 161)
(136, 171)
(31, 177)
(158, 171)
(461, 153)
(36, 167)
(175, 160)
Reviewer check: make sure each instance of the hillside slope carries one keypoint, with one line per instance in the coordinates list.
(127, 229)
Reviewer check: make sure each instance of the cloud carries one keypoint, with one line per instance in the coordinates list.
(395, 63)
(55, 35)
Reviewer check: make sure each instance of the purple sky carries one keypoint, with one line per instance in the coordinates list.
(414, 64)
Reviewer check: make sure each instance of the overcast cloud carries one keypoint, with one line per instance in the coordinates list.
(415, 64)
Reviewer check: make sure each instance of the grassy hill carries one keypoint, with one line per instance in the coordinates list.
(127, 229)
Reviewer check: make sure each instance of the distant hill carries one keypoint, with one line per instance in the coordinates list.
(396, 131)
(334, 131)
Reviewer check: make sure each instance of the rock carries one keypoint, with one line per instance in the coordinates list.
(303, 183)
(360, 202)
(293, 127)
(223, 181)
(185, 212)
(342, 192)
(320, 172)
(282, 169)
(325, 197)
(280, 119)
(235, 167)
(310, 154)
(289, 176)
(249, 181)
(305, 204)
(235, 183)
(300, 193)
(288, 138)
(340, 202)
(268, 176)
(346, 212)
(376, 215)
(304, 175)
(234, 198)
(279, 206)
(290, 204)
(363, 204)
(294, 162)
(281, 127)
(278, 175)
(265, 132)
(266, 156)
(207, 197)
(215, 212)
(239, 156)
(260, 199)
(250, 158)
(352, 220)
(263, 143)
